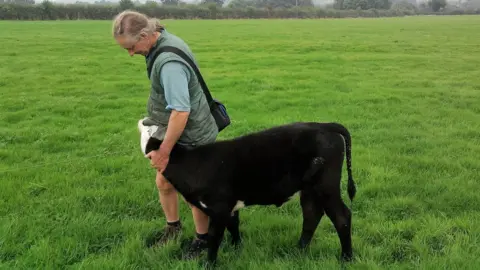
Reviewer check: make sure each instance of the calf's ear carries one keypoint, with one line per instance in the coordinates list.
(151, 145)
(147, 141)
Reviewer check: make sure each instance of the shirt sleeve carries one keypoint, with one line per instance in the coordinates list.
(174, 80)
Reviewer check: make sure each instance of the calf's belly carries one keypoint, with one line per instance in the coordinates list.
(274, 196)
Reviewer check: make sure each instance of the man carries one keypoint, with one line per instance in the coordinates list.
(176, 103)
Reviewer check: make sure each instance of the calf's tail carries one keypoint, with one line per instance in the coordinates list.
(340, 129)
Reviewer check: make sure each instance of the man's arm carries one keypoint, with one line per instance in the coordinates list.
(176, 125)
(175, 77)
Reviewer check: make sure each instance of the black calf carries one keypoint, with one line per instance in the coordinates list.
(267, 168)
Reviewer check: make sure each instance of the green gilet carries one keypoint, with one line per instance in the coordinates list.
(201, 127)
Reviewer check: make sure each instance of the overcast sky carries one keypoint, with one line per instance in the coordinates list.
(143, 1)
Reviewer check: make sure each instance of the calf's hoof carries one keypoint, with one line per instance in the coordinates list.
(209, 264)
(236, 242)
(346, 257)
(195, 249)
(302, 244)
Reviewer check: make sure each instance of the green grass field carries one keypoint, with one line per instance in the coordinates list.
(76, 191)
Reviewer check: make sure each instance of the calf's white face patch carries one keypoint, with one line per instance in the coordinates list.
(239, 205)
(146, 133)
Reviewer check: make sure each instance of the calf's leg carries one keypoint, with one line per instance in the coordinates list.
(340, 215)
(233, 228)
(312, 211)
(216, 230)
(335, 208)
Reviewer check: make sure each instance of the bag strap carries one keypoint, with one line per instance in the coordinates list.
(190, 62)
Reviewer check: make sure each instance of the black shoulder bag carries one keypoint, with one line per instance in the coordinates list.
(217, 109)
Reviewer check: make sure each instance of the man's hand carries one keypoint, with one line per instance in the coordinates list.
(159, 159)
(176, 125)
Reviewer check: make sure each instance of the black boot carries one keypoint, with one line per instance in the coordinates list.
(171, 231)
(199, 244)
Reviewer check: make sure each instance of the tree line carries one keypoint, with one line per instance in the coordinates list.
(235, 9)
